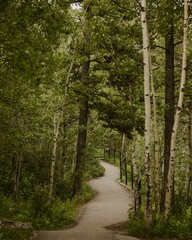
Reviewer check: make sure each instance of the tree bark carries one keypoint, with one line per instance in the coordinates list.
(156, 148)
(82, 135)
(17, 176)
(122, 157)
(56, 125)
(169, 100)
(147, 94)
(136, 177)
(170, 183)
(189, 177)
(83, 114)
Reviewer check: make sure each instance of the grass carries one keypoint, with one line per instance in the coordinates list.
(15, 234)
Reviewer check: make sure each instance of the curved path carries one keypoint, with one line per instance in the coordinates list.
(110, 206)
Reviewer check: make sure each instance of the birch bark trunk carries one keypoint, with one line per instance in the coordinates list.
(56, 125)
(170, 183)
(147, 93)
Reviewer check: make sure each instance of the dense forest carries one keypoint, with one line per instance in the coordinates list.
(87, 80)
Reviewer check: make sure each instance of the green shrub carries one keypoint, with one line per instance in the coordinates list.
(63, 189)
(136, 225)
(86, 196)
(16, 234)
(93, 170)
(61, 214)
(17, 211)
(40, 203)
(42, 213)
(7, 207)
(175, 228)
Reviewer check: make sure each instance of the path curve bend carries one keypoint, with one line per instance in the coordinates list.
(110, 206)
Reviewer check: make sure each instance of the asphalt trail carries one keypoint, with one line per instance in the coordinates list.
(110, 206)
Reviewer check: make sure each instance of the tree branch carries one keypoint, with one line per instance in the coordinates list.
(177, 43)
(157, 46)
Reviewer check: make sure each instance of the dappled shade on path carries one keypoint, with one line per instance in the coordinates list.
(109, 206)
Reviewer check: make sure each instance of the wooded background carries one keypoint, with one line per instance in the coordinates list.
(85, 80)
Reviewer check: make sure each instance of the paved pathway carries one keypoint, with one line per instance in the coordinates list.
(110, 206)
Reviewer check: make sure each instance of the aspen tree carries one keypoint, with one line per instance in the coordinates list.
(57, 123)
(146, 65)
(169, 183)
(136, 170)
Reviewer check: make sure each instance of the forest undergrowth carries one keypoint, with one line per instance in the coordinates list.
(41, 213)
(177, 227)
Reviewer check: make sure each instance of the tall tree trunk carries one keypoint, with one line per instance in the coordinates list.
(56, 125)
(147, 94)
(156, 148)
(17, 176)
(189, 177)
(114, 154)
(136, 178)
(169, 183)
(82, 134)
(122, 157)
(169, 101)
(83, 113)
(74, 156)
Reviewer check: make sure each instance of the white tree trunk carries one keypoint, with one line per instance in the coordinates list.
(146, 63)
(169, 183)
(56, 124)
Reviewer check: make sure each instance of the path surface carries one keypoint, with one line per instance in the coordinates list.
(110, 206)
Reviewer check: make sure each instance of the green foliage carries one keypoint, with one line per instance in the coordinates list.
(175, 228)
(36, 52)
(119, 115)
(20, 211)
(40, 203)
(63, 188)
(60, 214)
(16, 234)
(86, 196)
(7, 207)
(93, 169)
(42, 213)
(136, 225)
